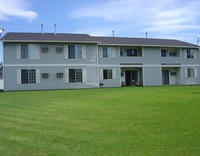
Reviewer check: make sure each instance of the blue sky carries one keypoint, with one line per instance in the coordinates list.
(177, 19)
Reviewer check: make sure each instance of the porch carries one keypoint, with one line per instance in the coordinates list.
(171, 75)
(131, 76)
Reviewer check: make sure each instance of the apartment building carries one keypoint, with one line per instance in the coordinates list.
(37, 61)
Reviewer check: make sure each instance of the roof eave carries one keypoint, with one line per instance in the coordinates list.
(146, 45)
(48, 41)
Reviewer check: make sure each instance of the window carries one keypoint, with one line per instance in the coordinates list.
(190, 54)
(24, 51)
(75, 75)
(75, 51)
(107, 74)
(27, 51)
(44, 49)
(28, 76)
(131, 52)
(163, 53)
(107, 51)
(190, 72)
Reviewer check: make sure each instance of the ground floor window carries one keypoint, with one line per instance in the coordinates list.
(190, 72)
(75, 75)
(107, 74)
(28, 76)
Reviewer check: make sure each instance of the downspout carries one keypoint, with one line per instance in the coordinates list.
(97, 65)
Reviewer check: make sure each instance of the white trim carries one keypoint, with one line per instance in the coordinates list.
(48, 65)
(108, 65)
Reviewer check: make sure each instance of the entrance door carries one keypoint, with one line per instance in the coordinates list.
(165, 76)
(131, 77)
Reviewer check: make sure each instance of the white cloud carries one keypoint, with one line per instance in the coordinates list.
(160, 17)
(15, 8)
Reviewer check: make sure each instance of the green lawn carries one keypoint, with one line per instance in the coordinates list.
(114, 121)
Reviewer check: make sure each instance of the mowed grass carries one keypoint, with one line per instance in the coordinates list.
(114, 121)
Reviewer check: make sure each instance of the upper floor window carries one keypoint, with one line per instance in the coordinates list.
(131, 52)
(169, 53)
(190, 54)
(107, 52)
(75, 52)
(27, 51)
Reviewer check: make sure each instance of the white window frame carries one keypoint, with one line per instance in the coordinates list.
(19, 76)
(33, 52)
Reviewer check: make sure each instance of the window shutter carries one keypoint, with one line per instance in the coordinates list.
(195, 72)
(114, 73)
(18, 76)
(66, 75)
(84, 75)
(18, 48)
(66, 51)
(83, 51)
(101, 74)
(37, 52)
(185, 53)
(37, 76)
(195, 53)
(100, 52)
(114, 52)
(186, 72)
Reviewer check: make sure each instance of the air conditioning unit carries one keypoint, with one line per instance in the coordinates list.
(59, 49)
(59, 75)
(45, 75)
(44, 49)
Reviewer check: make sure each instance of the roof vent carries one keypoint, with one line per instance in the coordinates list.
(113, 33)
(146, 34)
(198, 40)
(42, 29)
(54, 29)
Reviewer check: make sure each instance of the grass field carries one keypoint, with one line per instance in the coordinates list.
(114, 121)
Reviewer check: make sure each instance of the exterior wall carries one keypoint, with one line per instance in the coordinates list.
(152, 76)
(52, 62)
(115, 81)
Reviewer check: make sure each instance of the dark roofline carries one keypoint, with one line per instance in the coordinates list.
(85, 38)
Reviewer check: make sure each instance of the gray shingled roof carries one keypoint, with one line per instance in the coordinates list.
(65, 37)
(143, 41)
(48, 37)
